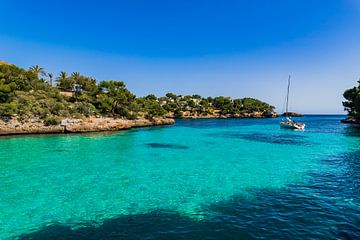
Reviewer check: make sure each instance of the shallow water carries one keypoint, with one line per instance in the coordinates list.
(216, 178)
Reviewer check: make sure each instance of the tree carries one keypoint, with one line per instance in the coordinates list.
(171, 96)
(87, 84)
(7, 91)
(75, 76)
(62, 76)
(223, 104)
(115, 94)
(76, 87)
(37, 70)
(352, 103)
(50, 75)
(151, 97)
(64, 82)
(24, 94)
(151, 106)
(23, 79)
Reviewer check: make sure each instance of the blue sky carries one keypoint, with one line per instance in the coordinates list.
(233, 48)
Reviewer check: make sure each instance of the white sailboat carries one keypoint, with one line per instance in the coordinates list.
(288, 122)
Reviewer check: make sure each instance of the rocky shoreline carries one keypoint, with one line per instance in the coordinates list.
(12, 126)
(292, 114)
(350, 120)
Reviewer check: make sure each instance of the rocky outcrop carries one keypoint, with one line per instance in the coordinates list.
(12, 126)
(293, 114)
(351, 121)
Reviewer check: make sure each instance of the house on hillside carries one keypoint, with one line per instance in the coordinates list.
(67, 93)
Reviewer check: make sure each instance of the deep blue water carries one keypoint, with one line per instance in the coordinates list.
(199, 179)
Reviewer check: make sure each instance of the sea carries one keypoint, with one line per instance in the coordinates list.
(197, 179)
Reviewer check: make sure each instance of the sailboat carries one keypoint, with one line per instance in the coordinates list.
(288, 122)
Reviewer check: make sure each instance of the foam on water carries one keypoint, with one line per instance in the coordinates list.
(84, 179)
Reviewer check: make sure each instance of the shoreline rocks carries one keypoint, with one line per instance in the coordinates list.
(292, 114)
(12, 126)
(350, 120)
(91, 124)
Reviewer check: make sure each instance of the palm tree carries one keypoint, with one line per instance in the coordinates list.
(38, 70)
(62, 77)
(76, 86)
(75, 76)
(50, 78)
(62, 80)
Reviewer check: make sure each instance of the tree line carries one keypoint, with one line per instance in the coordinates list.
(35, 93)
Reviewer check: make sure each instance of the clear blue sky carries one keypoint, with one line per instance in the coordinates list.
(233, 48)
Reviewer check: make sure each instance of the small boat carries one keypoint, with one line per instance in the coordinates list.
(288, 122)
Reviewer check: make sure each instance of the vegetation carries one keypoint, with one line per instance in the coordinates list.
(49, 121)
(196, 105)
(352, 103)
(31, 94)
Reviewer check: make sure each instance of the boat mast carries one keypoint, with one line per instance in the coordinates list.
(287, 97)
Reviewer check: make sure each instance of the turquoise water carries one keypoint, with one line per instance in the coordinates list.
(217, 178)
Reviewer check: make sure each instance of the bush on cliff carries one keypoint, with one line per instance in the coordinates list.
(52, 121)
(7, 109)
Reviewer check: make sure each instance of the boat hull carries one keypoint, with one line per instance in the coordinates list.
(296, 126)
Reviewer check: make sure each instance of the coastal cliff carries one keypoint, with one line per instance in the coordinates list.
(12, 126)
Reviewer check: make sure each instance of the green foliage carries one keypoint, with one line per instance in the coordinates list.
(64, 82)
(85, 108)
(251, 105)
(223, 104)
(6, 91)
(8, 109)
(51, 121)
(151, 106)
(118, 100)
(171, 96)
(23, 92)
(178, 113)
(352, 103)
(37, 70)
(22, 78)
(197, 105)
(155, 110)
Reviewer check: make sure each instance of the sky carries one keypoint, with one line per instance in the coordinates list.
(231, 47)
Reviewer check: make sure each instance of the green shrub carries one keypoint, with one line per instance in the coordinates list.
(131, 116)
(51, 121)
(8, 108)
(178, 113)
(85, 108)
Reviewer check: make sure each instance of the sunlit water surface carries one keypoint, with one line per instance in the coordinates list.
(233, 178)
